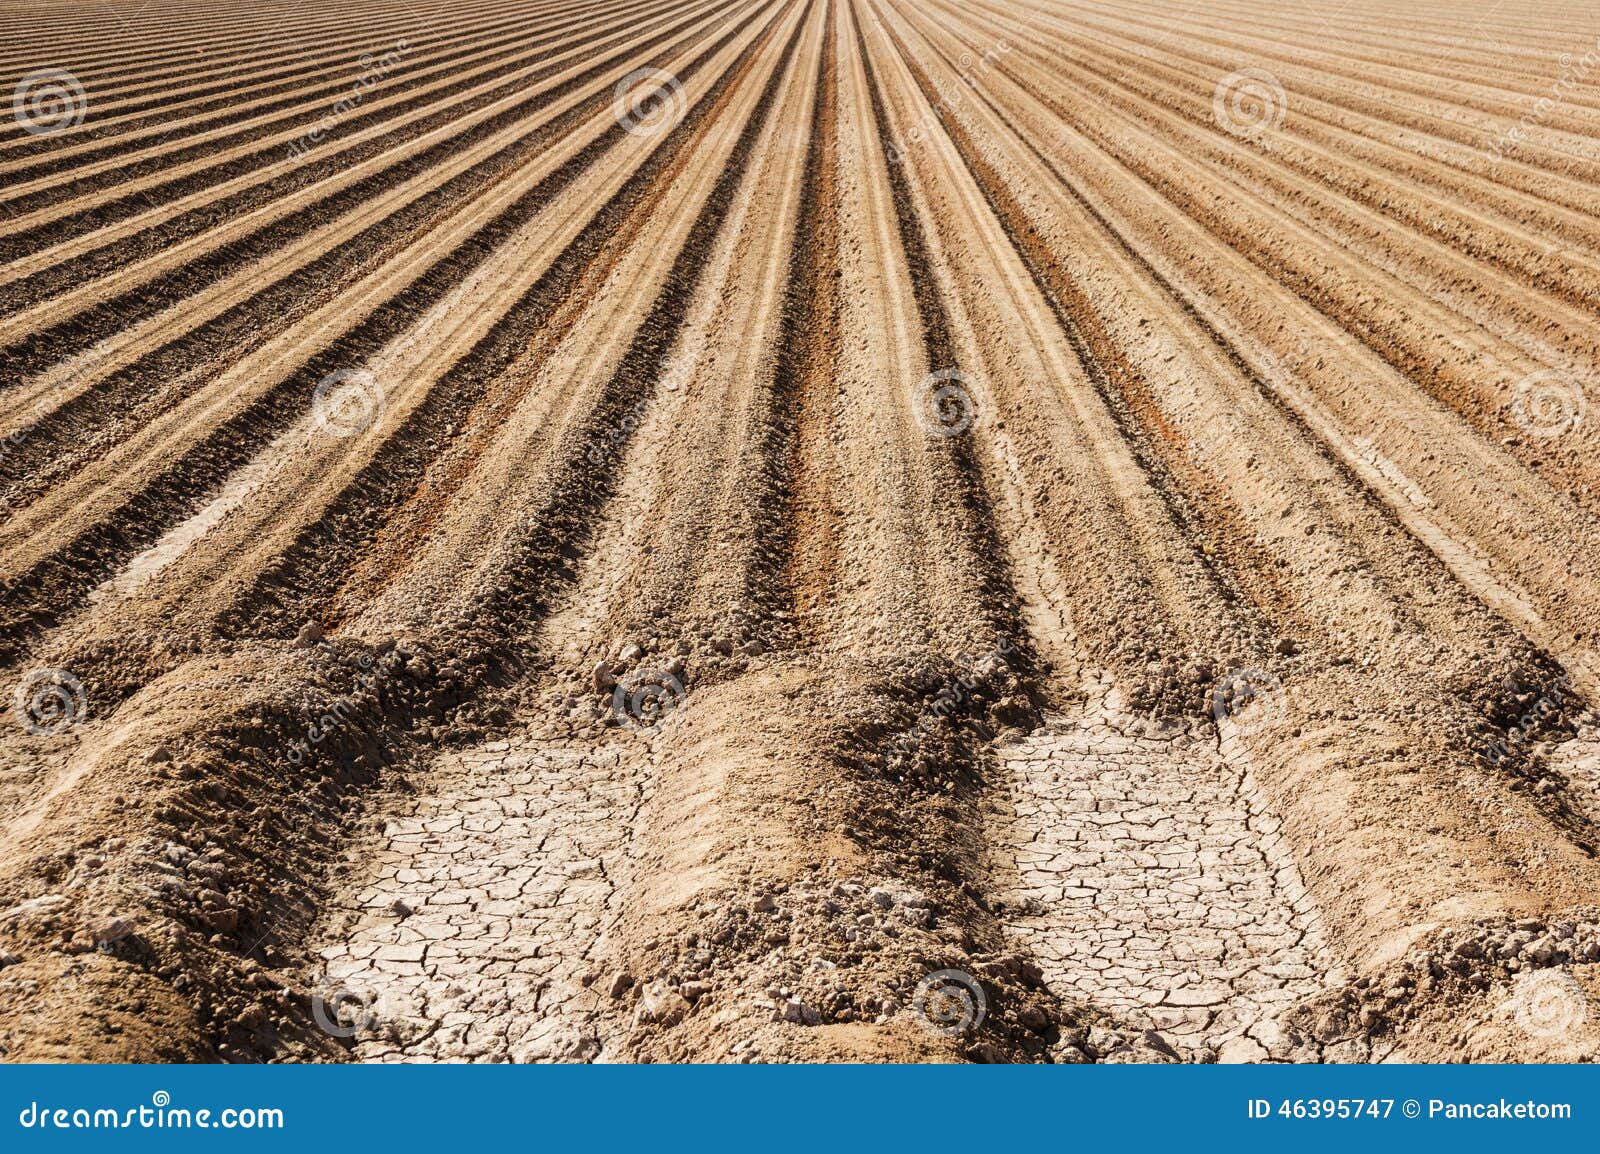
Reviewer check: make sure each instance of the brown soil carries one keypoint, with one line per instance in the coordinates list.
(801, 530)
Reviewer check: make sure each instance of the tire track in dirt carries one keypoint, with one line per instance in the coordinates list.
(1068, 562)
(65, 251)
(1189, 969)
(547, 920)
(1347, 606)
(267, 374)
(289, 234)
(418, 352)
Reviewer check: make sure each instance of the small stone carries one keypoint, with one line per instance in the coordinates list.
(1541, 952)
(618, 984)
(1353, 1051)
(796, 1011)
(662, 1005)
(109, 931)
(630, 653)
(1033, 1018)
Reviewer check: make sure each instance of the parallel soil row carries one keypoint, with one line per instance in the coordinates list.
(769, 530)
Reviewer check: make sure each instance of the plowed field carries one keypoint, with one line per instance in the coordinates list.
(800, 530)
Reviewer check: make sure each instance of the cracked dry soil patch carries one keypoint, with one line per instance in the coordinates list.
(475, 925)
(1204, 397)
(1151, 880)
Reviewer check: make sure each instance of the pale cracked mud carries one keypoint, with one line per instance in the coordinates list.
(1153, 880)
(484, 906)
(772, 359)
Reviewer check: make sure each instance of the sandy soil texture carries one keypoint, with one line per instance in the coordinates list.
(800, 530)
